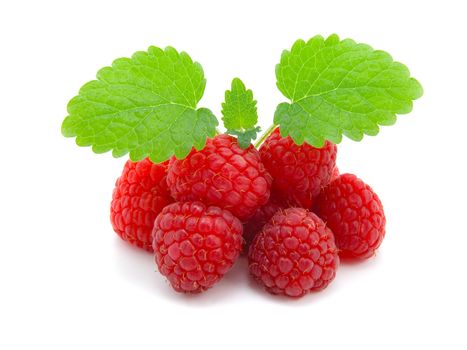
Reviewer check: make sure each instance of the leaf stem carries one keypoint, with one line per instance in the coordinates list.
(265, 135)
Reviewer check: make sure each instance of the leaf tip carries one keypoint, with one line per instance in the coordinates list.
(417, 88)
(66, 129)
(237, 83)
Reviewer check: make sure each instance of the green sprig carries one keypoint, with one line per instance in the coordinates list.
(239, 113)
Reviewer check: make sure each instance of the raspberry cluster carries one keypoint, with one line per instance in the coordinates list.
(201, 199)
(285, 205)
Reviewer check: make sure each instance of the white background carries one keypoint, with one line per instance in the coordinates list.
(68, 282)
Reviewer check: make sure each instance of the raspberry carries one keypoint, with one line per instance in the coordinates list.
(140, 194)
(355, 214)
(195, 245)
(294, 254)
(253, 226)
(335, 173)
(222, 174)
(299, 172)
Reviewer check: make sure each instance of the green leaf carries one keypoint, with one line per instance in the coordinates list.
(245, 137)
(144, 105)
(340, 88)
(240, 114)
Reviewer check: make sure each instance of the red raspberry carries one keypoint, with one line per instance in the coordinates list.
(335, 173)
(140, 194)
(222, 174)
(253, 226)
(294, 254)
(355, 214)
(299, 172)
(195, 245)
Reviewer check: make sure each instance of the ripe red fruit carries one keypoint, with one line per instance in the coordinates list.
(222, 174)
(140, 194)
(294, 254)
(355, 214)
(335, 173)
(195, 245)
(253, 226)
(299, 172)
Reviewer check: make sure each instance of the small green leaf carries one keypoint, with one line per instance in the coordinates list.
(340, 88)
(240, 114)
(144, 105)
(245, 137)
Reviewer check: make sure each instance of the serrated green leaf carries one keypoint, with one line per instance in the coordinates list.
(245, 137)
(239, 108)
(239, 113)
(144, 105)
(340, 88)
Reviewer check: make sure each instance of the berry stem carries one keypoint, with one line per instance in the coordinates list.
(265, 135)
